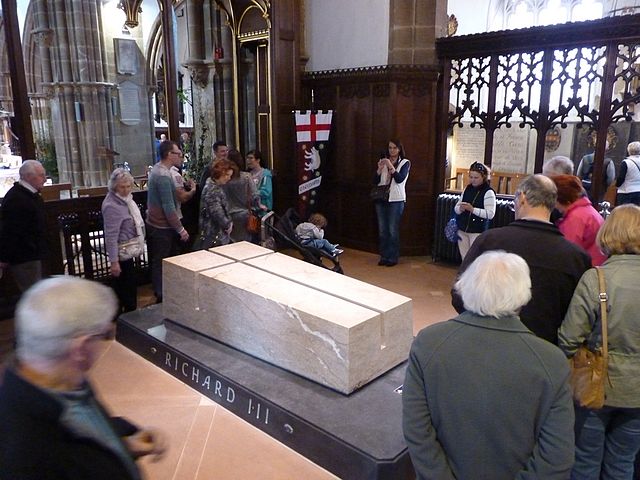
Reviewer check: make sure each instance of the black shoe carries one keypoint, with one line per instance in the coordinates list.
(391, 264)
(383, 263)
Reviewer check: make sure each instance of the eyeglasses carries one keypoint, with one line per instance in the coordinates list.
(177, 153)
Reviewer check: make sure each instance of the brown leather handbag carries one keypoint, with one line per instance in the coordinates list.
(589, 367)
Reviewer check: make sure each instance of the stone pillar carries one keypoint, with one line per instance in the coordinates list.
(81, 96)
(414, 27)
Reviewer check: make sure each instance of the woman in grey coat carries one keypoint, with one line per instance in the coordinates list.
(608, 440)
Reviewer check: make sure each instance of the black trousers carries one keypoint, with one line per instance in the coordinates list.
(126, 286)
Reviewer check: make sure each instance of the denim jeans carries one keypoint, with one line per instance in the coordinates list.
(607, 442)
(161, 243)
(389, 215)
(322, 244)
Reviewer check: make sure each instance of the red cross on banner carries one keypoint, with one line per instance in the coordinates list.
(313, 127)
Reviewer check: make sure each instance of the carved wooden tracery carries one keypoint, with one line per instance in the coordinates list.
(541, 78)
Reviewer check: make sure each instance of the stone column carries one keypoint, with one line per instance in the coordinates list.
(414, 27)
(81, 96)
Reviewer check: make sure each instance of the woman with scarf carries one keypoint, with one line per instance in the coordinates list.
(123, 237)
(476, 207)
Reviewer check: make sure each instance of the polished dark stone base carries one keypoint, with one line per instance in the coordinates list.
(358, 436)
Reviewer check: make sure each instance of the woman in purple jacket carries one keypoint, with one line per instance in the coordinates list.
(123, 237)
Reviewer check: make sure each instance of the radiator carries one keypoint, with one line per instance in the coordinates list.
(444, 250)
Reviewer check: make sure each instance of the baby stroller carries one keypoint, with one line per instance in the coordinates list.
(283, 230)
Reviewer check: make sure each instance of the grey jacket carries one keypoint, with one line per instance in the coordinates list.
(621, 277)
(485, 399)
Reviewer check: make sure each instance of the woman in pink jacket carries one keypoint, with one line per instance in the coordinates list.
(580, 222)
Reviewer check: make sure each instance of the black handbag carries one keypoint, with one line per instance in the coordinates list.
(380, 193)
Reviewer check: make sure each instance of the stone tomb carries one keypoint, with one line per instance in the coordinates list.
(324, 326)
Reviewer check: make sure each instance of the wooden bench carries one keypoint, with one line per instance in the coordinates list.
(505, 183)
(54, 191)
(93, 191)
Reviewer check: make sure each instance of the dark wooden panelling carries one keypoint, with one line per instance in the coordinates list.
(285, 76)
(372, 105)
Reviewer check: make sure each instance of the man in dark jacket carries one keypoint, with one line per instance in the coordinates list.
(556, 264)
(51, 424)
(22, 234)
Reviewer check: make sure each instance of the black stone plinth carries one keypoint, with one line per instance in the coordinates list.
(357, 436)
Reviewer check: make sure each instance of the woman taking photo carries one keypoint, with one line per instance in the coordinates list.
(393, 171)
(215, 223)
(123, 237)
(476, 207)
(608, 439)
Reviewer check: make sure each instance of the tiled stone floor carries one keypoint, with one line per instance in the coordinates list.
(206, 441)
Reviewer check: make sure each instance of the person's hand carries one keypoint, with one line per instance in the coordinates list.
(263, 207)
(184, 235)
(466, 206)
(147, 442)
(115, 269)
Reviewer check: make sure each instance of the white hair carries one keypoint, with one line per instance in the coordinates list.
(633, 148)
(496, 284)
(28, 168)
(55, 311)
(117, 175)
(559, 165)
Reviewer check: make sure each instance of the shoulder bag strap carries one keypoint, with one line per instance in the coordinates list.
(603, 314)
(637, 166)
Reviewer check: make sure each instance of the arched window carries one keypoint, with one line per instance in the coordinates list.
(529, 13)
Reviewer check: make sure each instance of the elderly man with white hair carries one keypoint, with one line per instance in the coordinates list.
(51, 424)
(22, 237)
(483, 397)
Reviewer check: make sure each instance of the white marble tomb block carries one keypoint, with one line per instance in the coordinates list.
(241, 251)
(396, 310)
(180, 278)
(300, 317)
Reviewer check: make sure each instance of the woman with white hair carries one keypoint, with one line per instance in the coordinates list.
(483, 397)
(123, 237)
(628, 182)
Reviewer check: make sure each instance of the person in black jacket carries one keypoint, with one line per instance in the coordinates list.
(556, 264)
(22, 235)
(476, 207)
(51, 424)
